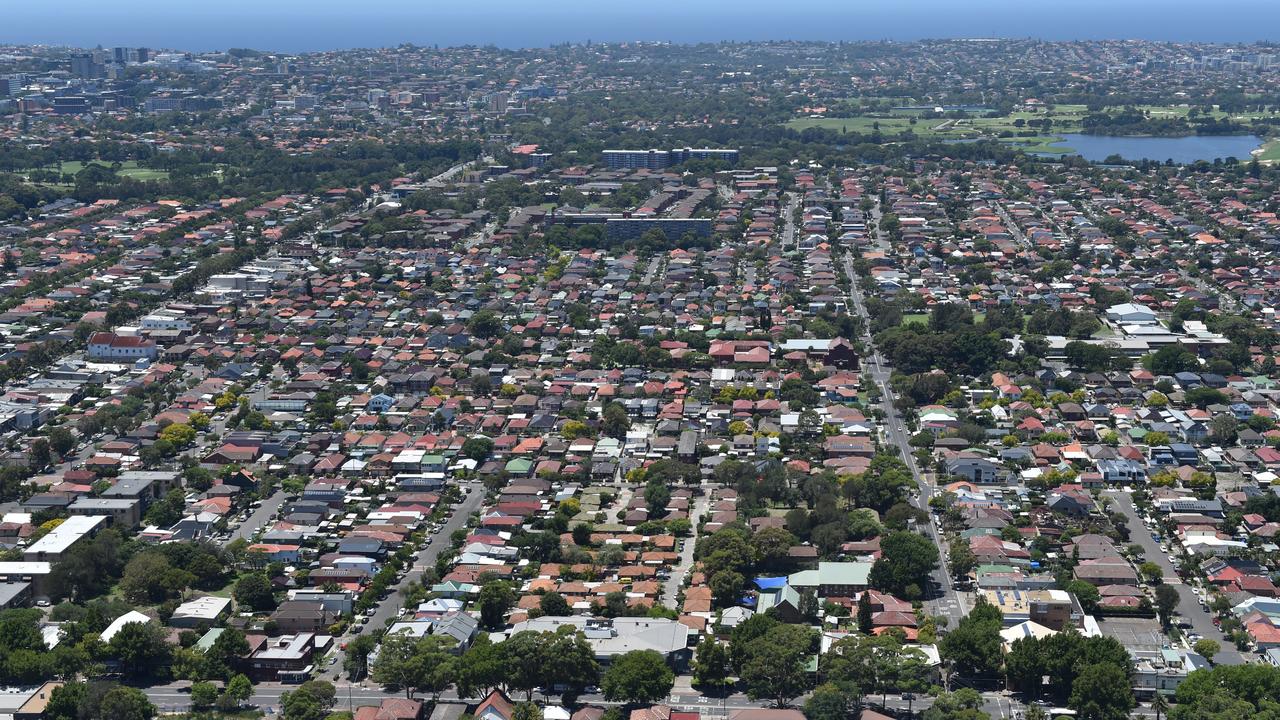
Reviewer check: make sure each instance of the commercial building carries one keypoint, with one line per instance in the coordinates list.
(610, 638)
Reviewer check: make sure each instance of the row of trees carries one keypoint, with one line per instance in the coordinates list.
(561, 662)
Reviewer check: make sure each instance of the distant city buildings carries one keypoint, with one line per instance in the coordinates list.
(657, 159)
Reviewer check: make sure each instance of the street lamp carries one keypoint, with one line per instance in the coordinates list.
(908, 697)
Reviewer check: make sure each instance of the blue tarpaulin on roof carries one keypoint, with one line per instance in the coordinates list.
(770, 583)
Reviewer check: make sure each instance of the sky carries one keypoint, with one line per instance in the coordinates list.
(309, 25)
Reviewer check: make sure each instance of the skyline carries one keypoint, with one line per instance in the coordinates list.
(297, 26)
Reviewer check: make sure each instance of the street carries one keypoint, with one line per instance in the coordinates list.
(439, 542)
(1189, 604)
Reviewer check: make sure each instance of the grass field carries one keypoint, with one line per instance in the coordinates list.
(1066, 119)
(129, 169)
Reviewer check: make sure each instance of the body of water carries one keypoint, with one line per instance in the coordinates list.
(1182, 150)
(308, 25)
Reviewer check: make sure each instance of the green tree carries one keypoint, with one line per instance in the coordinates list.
(125, 703)
(1102, 691)
(775, 664)
(963, 704)
(496, 598)
(906, 559)
(865, 613)
(1166, 602)
(712, 664)
(1207, 648)
(253, 591)
(973, 647)
(639, 677)
(203, 695)
(311, 701)
(414, 664)
(141, 649)
(828, 702)
(238, 691)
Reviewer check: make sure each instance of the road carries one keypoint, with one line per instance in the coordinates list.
(260, 517)
(439, 542)
(948, 602)
(672, 588)
(1189, 604)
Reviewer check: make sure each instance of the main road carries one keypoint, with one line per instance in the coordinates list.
(948, 603)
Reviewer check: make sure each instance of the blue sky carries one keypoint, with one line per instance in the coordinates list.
(297, 25)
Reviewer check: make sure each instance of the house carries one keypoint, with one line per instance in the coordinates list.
(128, 348)
(494, 707)
(974, 469)
(391, 709)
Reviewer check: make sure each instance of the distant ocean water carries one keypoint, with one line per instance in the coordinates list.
(309, 25)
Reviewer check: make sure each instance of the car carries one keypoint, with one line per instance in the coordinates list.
(333, 660)
(356, 630)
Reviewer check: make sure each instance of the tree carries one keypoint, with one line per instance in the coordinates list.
(973, 647)
(141, 648)
(496, 598)
(356, 660)
(828, 702)
(253, 591)
(1207, 648)
(726, 587)
(1166, 602)
(962, 559)
(1150, 571)
(40, 456)
(1086, 593)
(639, 677)
(311, 701)
(481, 668)
(1102, 691)
(865, 613)
(414, 664)
(203, 695)
(125, 703)
(963, 704)
(477, 448)
(61, 440)
(614, 420)
(485, 324)
(224, 653)
(712, 664)
(567, 661)
(238, 691)
(180, 434)
(906, 559)
(554, 604)
(526, 711)
(775, 663)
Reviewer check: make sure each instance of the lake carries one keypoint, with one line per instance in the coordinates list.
(1181, 150)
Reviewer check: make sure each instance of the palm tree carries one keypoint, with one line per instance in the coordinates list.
(1160, 705)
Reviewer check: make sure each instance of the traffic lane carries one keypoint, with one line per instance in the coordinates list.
(391, 605)
(1188, 603)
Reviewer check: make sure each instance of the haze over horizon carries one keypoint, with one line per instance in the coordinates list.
(300, 26)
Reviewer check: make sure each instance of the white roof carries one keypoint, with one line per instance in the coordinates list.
(203, 608)
(133, 616)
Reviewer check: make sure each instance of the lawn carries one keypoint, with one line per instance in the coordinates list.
(129, 169)
(1270, 152)
(1037, 139)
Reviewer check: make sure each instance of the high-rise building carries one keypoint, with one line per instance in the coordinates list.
(83, 65)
